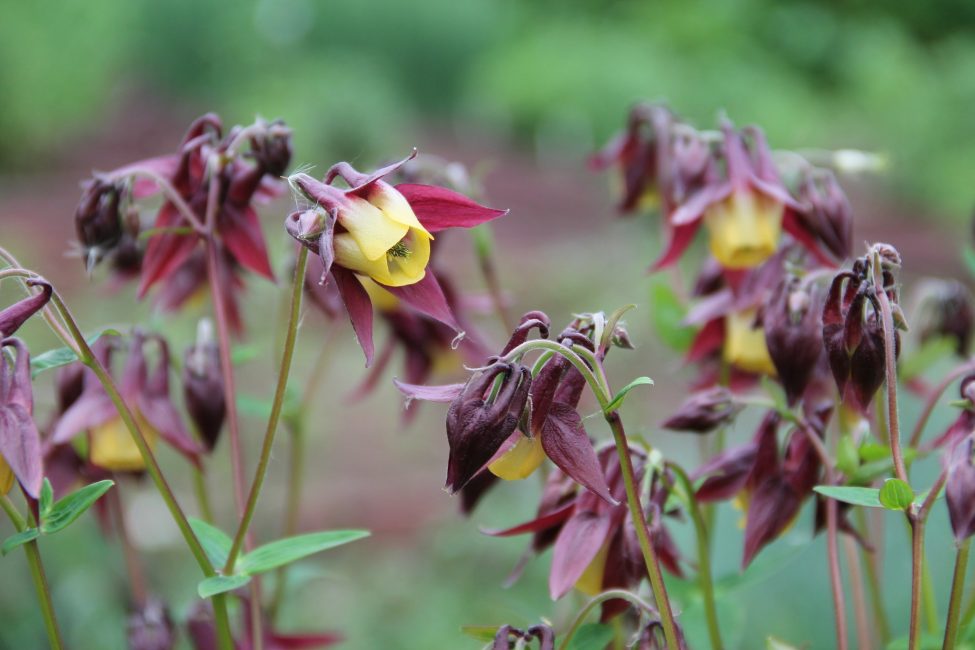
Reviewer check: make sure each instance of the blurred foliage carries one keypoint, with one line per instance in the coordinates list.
(895, 76)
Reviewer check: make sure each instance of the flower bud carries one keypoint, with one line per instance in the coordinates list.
(20, 442)
(203, 385)
(794, 336)
(479, 423)
(945, 310)
(828, 214)
(272, 149)
(960, 490)
(98, 220)
(12, 317)
(704, 411)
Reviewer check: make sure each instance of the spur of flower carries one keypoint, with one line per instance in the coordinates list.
(374, 230)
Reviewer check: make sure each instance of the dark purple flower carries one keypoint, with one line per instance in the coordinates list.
(151, 627)
(12, 317)
(704, 411)
(960, 489)
(20, 443)
(509, 637)
(203, 385)
(794, 335)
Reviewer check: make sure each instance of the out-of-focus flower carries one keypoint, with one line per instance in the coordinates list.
(641, 153)
(652, 637)
(509, 637)
(203, 385)
(147, 394)
(792, 319)
(12, 317)
(944, 309)
(202, 632)
(743, 210)
(704, 411)
(151, 627)
(825, 216)
(241, 178)
(20, 443)
(189, 285)
(596, 546)
(383, 232)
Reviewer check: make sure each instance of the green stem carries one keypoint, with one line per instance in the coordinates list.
(705, 579)
(957, 587)
(37, 574)
(598, 600)
(88, 358)
(202, 496)
(928, 599)
(642, 531)
(272, 423)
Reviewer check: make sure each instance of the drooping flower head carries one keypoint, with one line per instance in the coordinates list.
(381, 232)
(147, 394)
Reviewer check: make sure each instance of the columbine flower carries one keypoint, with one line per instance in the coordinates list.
(596, 547)
(12, 317)
(151, 627)
(743, 210)
(552, 428)
(190, 173)
(854, 336)
(704, 411)
(20, 443)
(382, 232)
(508, 637)
(794, 335)
(944, 309)
(960, 489)
(111, 446)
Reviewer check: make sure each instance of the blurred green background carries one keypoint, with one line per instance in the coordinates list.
(523, 91)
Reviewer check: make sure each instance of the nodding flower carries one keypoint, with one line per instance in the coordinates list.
(147, 394)
(381, 232)
(20, 442)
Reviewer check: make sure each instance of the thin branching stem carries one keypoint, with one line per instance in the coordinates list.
(957, 590)
(612, 594)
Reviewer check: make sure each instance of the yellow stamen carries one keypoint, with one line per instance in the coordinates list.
(520, 461)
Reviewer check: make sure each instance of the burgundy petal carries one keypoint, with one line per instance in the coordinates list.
(357, 180)
(691, 211)
(359, 306)
(444, 393)
(426, 296)
(92, 409)
(164, 418)
(166, 252)
(568, 446)
(680, 237)
(303, 641)
(772, 507)
(241, 233)
(544, 522)
(12, 317)
(578, 544)
(438, 208)
(792, 225)
(707, 341)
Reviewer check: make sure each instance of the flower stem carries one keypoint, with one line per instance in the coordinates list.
(705, 580)
(890, 369)
(932, 399)
(137, 580)
(835, 578)
(598, 600)
(957, 588)
(643, 532)
(859, 597)
(202, 496)
(38, 576)
(276, 407)
(88, 358)
(483, 246)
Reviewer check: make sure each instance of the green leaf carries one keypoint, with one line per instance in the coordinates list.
(255, 407)
(667, 313)
(64, 512)
(777, 394)
(592, 636)
(968, 256)
(896, 494)
(858, 496)
(772, 643)
(621, 394)
(285, 551)
(244, 353)
(62, 356)
(216, 543)
(19, 539)
(928, 354)
(220, 584)
(47, 497)
(484, 633)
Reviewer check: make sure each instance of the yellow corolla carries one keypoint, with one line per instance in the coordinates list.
(383, 239)
(6, 477)
(112, 447)
(591, 581)
(744, 228)
(744, 344)
(520, 461)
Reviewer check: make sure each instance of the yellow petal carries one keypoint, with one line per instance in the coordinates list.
(112, 447)
(591, 580)
(6, 477)
(395, 206)
(744, 345)
(744, 229)
(405, 263)
(520, 461)
(381, 299)
(373, 231)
